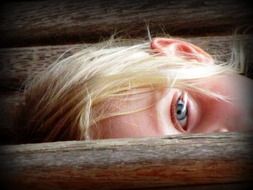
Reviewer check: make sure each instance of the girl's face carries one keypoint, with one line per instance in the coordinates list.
(174, 111)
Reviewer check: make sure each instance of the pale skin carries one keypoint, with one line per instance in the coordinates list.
(176, 111)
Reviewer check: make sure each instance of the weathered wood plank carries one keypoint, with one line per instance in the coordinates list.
(226, 186)
(9, 104)
(48, 22)
(130, 163)
(17, 63)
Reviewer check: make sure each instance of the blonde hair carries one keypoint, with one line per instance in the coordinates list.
(62, 102)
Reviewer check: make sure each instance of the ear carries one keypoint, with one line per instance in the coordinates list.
(175, 47)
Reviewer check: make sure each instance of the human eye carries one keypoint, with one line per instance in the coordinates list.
(180, 111)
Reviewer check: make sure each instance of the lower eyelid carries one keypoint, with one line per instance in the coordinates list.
(194, 113)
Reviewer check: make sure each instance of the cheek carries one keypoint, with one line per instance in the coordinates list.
(140, 120)
(140, 124)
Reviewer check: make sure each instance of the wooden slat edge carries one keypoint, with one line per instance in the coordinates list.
(194, 159)
(47, 22)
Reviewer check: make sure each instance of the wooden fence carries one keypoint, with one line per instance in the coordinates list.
(34, 34)
(131, 163)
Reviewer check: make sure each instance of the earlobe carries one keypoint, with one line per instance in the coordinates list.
(175, 47)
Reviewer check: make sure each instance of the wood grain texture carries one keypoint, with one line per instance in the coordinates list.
(17, 63)
(130, 163)
(9, 104)
(66, 21)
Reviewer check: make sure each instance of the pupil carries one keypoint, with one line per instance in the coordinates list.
(179, 108)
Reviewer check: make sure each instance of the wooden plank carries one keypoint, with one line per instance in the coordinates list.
(195, 159)
(9, 104)
(46, 22)
(226, 186)
(17, 63)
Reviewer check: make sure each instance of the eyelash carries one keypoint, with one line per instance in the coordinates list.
(175, 121)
